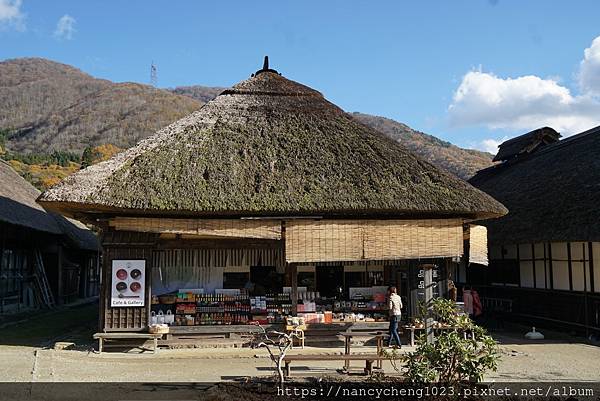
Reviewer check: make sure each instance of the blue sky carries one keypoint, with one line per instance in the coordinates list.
(471, 72)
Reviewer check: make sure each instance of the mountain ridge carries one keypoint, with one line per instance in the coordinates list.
(59, 108)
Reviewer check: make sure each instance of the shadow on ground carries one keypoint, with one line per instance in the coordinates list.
(75, 324)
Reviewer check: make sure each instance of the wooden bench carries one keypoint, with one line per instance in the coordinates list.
(369, 359)
(101, 337)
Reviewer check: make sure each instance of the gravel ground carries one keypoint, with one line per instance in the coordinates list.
(551, 361)
(24, 358)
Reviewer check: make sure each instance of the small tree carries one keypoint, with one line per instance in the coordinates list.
(87, 157)
(451, 358)
(277, 345)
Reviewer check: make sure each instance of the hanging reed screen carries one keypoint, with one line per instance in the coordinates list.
(210, 228)
(351, 240)
(478, 249)
(226, 258)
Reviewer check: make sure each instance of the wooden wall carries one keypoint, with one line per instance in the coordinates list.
(125, 245)
(555, 283)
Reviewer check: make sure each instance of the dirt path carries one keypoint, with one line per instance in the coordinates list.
(24, 358)
(551, 362)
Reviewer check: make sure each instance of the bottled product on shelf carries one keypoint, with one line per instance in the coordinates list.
(210, 309)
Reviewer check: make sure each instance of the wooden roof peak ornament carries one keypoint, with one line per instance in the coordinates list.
(266, 68)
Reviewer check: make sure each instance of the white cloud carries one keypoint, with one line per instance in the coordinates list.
(65, 27)
(11, 14)
(589, 69)
(528, 102)
(522, 103)
(489, 145)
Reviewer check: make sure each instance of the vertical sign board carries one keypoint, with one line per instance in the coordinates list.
(128, 283)
(427, 291)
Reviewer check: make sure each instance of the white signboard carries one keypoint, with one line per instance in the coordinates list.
(128, 283)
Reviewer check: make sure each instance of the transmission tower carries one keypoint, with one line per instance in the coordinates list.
(153, 74)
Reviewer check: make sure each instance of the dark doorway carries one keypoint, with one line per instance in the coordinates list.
(235, 280)
(266, 280)
(329, 279)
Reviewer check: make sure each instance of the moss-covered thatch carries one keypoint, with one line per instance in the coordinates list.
(269, 146)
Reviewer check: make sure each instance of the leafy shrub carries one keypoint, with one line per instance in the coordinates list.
(451, 358)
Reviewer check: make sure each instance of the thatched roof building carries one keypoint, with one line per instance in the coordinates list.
(268, 146)
(544, 255)
(17, 203)
(18, 207)
(526, 143)
(37, 243)
(268, 177)
(552, 193)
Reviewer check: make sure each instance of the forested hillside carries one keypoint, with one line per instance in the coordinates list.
(461, 162)
(55, 107)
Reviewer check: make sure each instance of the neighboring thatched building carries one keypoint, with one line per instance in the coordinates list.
(68, 250)
(545, 253)
(269, 185)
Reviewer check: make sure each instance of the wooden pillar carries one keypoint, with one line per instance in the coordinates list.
(293, 268)
(428, 281)
(59, 275)
(591, 267)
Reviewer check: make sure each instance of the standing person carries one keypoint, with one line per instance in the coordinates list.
(477, 306)
(452, 292)
(395, 306)
(468, 300)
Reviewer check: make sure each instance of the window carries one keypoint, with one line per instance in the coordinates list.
(527, 273)
(527, 265)
(580, 271)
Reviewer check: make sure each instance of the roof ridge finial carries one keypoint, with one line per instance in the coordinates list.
(265, 68)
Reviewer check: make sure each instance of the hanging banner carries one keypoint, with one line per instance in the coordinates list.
(128, 284)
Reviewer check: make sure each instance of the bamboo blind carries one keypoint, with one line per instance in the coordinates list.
(231, 259)
(228, 228)
(352, 240)
(478, 250)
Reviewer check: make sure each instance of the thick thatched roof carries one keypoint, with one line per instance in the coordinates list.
(18, 207)
(552, 194)
(526, 143)
(268, 146)
(17, 203)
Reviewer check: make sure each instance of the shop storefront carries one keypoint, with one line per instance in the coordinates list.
(187, 293)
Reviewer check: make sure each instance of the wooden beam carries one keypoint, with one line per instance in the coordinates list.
(550, 265)
(533, 265)
(591, 264)
(545, 267)
(59, 276)
(218, 244)
(519, 263)
(570, 266)
(294, 294)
